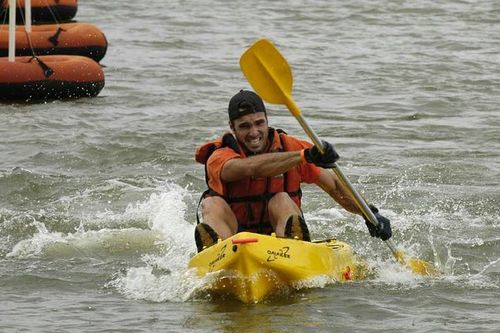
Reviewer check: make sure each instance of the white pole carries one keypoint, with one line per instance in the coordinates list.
(12, 30)
(27, 10)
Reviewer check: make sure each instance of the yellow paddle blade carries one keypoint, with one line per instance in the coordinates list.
(268, 72)
(417, 266)
(422, 267)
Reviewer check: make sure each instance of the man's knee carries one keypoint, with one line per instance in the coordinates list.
(281, 200)
(217, 213)
(214, 204)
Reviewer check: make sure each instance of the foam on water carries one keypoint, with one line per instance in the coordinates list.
(164, 276)
(438, 235)
(320, 281)
(90, 244)
(164, 245)
(157, 286)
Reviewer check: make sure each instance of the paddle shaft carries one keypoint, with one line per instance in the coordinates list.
(358, 199)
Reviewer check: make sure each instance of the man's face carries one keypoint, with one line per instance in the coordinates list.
(251, 130)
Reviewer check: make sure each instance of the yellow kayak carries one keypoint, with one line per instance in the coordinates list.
(252, 267)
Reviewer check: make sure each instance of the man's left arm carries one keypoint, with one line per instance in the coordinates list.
(332, 185)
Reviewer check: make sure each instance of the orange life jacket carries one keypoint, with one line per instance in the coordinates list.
(248, 197)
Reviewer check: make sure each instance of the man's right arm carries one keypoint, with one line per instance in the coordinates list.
(262, 165)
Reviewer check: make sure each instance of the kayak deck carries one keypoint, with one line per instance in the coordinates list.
(252, 266)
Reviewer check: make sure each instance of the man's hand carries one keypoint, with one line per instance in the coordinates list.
(326, 160)
(383, 229)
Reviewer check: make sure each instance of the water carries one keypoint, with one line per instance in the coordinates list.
(97, 196)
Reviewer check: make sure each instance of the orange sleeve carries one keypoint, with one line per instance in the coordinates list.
(214, 167)
(309, 173)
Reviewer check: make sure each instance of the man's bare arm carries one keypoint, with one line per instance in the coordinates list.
(262, 165)
(332, 185)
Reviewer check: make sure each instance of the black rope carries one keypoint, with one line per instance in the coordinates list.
(47, 71)
(5, 13)
(54, 14)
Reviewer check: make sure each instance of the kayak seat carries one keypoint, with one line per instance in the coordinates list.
(296, 228)
(204, 236)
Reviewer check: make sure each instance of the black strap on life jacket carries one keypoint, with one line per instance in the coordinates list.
(262, 197)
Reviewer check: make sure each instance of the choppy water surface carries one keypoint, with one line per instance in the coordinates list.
(97, 196)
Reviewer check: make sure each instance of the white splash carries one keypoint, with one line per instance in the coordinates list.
(165, 276)
(143, 283)
(319, 281)
(90, 244)
(166, 244)
(34, 246)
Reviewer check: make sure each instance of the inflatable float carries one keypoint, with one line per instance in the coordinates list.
(68, 38)
(49, 77)
(42, 10)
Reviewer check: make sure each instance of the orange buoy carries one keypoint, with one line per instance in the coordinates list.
(49, 77)
(68, 38)
(42, 10)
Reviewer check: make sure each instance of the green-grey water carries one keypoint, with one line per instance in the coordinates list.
(98, 196)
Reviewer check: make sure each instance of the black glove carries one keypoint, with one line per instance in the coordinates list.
(326, 160)
(383, 229)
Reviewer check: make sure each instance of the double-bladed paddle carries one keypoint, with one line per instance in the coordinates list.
(270, 75)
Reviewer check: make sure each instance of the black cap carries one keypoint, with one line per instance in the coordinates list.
(243, 103)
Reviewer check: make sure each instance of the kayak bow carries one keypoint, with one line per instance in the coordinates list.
(252, 267)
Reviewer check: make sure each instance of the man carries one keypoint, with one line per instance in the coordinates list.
(254, 174)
